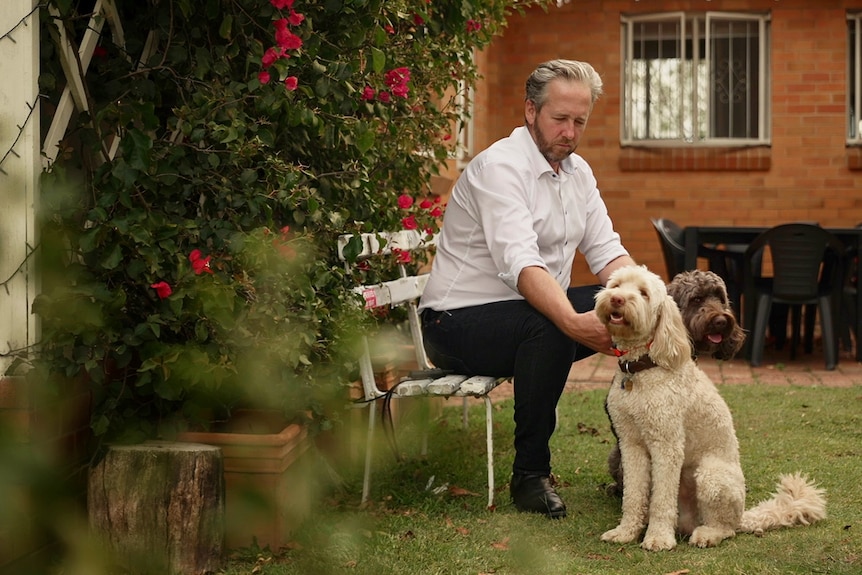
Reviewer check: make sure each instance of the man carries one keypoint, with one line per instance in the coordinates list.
(498, 300)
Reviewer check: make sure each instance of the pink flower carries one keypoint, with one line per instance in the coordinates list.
(163, 289)
(282, 4)
(409, 223)
(384, 97)
(290, 83)
(436, 212)
(367, 94)
(264, 77)
(473, 25)
(397, 76)
(397, 80)
(405, 201)
(425, 204)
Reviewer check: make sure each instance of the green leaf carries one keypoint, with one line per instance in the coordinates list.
(353, 248)
(225, 28)
(114, 257)
(378, 59)
(365, 141)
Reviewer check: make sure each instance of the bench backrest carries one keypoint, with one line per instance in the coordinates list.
(404, 290)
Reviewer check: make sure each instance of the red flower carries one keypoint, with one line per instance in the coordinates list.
(425, 204)
(295, 18)
(367, 93)
(402, 256)
(290, 83)
(270, 56)
(389, 29)
(436, 213)
(282, 4)
(163, 289)
(384, 97)
(405, 201)
(264, 77)
(100, 52)
(199, 264)
(409, 223)
(473, 25)
(284, 37)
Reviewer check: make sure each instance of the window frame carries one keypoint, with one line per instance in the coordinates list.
(854, 80)
(686, 21)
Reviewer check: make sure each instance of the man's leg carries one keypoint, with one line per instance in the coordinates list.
(512, 339)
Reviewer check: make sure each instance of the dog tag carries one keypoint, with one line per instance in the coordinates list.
(626, 382)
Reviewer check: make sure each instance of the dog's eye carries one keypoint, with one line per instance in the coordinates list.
(644, 293)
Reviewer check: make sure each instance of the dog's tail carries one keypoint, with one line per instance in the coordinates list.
(796, 501)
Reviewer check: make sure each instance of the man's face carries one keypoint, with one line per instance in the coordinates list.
(558, 126)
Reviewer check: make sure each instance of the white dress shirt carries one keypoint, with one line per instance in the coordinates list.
(510, 210)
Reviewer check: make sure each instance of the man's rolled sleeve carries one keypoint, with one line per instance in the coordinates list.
(510, 278)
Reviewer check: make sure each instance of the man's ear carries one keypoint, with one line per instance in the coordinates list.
(530, 112)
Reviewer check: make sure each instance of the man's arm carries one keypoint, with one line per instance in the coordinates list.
(545, 294)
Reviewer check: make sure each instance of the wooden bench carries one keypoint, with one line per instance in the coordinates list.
(427, 381)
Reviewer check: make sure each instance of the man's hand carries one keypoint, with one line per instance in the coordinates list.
(592, 333)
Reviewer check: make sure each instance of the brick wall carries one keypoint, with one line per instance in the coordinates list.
(807, 173)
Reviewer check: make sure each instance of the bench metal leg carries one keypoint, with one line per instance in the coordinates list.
(489, 428)
(369, 442)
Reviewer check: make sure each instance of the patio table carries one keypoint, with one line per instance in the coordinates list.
(743, 235)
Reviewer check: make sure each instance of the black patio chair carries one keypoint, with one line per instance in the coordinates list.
(727, 263)
(806, 269)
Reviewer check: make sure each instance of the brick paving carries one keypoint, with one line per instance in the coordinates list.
(777, 369)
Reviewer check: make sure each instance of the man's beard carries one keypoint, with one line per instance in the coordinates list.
(550, 150)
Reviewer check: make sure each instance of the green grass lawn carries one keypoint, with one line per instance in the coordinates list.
(413, 530)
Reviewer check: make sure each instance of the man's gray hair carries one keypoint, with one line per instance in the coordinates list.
(570, 70)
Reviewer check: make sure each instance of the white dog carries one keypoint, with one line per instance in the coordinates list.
(679, 449)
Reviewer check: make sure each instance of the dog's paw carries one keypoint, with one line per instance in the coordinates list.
(705, 536)
(656, 540)
(620, 534)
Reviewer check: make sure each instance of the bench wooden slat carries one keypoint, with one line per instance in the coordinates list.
(446, 385)
(478, 385)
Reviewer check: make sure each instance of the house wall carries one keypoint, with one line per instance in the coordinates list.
(807, 173)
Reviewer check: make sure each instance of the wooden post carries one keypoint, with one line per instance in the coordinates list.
(159, 506)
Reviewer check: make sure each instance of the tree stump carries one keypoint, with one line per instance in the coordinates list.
(159, 507)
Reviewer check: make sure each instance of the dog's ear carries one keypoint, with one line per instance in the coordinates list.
(670, 346)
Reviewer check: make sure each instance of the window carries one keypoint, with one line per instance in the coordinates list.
(854, 78)
(695, 79)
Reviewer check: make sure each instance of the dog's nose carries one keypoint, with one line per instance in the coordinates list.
(618, 301)
(719, 322)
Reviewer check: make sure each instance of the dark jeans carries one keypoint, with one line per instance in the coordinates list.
(512, 339)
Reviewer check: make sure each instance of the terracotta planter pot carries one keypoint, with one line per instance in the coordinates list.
(268, 489)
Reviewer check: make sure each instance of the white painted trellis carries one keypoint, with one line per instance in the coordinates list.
(23, 157)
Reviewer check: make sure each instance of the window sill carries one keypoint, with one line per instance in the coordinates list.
(692, 159)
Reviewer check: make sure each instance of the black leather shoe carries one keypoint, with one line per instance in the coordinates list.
(535, 494)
